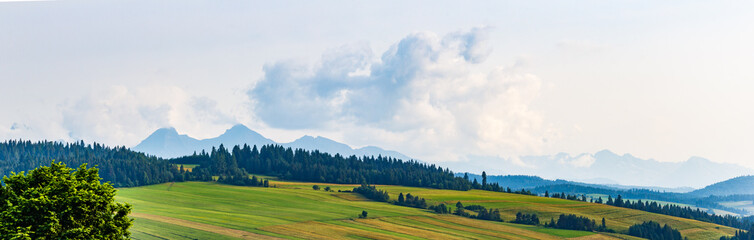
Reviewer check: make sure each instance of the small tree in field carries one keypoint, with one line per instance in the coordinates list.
(363, 214)
(57, 202)
(315, 187)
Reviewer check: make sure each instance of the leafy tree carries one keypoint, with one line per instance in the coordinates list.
(401, 200)
(363, 214)
(56, 202)
(315, 187)
(327, 189)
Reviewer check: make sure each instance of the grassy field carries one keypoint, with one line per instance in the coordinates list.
(618, 219)
(203, 210)
(150, 229)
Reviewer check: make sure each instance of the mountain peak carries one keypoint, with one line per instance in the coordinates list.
(238, 128)
(168, 131)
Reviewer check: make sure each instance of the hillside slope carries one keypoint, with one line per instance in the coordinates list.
(293, 211)
(617, 218)
(734, 186)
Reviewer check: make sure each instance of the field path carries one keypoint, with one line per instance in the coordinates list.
(204, 227)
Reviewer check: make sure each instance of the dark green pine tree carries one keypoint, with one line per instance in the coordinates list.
(484, 179)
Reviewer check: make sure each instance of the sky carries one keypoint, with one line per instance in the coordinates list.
(436, 80)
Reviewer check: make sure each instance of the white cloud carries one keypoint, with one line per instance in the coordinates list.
(426, 88)
(121, 115)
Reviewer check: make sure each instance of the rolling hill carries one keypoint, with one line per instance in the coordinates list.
(294, 210)
(743, 185)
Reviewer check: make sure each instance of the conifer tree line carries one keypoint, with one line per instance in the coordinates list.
(574, 222)
(125, 168)
(118, 165)
(653, 231)
(525, 218)
(481, 212)
(315, 166)
(370, 192)
(741, 235)
(411, 201)
(679, 211)
(685, 198)
(495, 187)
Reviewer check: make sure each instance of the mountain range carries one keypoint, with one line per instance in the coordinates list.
(607, 168)
(168, 143)
(603, 167)
(518, 182)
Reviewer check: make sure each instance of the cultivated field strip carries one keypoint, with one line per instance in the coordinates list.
(295, 211)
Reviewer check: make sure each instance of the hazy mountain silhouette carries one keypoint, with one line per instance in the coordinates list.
(167, 143)
(607, 168)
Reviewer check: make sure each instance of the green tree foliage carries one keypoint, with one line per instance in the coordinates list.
(741, 235)
(484, 179)
(528, 219)
(573, 222)
(364, 214)
(315, 187)
(371, 192)
(119, 166)
(441, 209)
(56, 202)
(653, 231)
(481, 212)
(412, 201)
(316, 166)
(681, 211)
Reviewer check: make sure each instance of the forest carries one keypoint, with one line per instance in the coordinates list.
(119, 165)
(316, 166)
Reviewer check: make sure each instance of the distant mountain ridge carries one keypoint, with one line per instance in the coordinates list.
(607, 168)
(168, 143)
(518, 182)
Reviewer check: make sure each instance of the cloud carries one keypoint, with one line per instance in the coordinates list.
(581, 46)
(121, 115)
(425, 88)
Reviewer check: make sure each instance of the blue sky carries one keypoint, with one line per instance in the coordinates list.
(440, 81)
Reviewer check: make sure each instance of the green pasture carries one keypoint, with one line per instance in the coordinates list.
(293, 210)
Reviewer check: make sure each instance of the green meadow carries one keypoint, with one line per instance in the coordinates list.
(205, 210)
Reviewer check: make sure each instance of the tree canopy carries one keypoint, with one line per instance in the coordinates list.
(56, 202)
